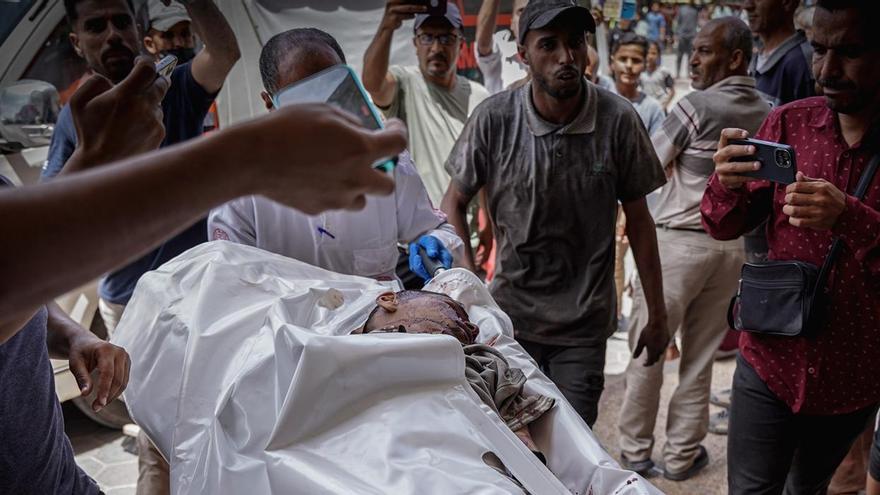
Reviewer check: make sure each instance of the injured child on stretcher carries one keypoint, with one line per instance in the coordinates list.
(247, 378)
(498, 385)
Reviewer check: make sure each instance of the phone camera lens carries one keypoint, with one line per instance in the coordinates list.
(783, 158)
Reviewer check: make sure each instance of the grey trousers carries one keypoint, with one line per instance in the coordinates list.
(578, 371)
(699, 277)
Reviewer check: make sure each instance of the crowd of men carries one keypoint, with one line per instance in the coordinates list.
(558, 160)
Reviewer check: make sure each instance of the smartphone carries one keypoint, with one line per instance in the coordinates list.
(435, 7)
(778, 162)
(166, 66)
(339, 86)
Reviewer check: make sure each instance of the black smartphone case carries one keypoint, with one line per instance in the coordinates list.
(765, 152)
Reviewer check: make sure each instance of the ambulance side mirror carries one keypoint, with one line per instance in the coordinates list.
(28, 112)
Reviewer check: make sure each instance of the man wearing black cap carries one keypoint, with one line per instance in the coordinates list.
(555, 156)
(431, 99)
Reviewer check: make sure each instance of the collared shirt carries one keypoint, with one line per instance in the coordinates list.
(831, 373)
(553, 192)
(786, 75)
(434, 117)
(354, 243)
(689, 137)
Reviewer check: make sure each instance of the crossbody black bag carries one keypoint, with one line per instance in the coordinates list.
(788, 297)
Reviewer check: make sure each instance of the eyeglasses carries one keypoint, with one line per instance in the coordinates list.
(443, 39)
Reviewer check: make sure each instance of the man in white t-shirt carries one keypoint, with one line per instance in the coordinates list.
(432, 99)
(496, 52)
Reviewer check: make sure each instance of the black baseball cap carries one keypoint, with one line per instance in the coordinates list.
(452, 16)
(541, 13)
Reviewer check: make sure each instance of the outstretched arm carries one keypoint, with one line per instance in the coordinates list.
(377, 80)
(211, 65)
(71, 230)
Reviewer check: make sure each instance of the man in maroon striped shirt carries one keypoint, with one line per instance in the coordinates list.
(798, 403)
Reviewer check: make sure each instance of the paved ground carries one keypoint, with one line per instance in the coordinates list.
(99, 452)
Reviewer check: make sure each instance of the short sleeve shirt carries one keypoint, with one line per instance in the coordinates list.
(35, 454)
(185, 106)
(434, 117)
(553, 192)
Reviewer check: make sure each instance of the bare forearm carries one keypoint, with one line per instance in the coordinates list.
(221, 51)
(642, 234)
(60, 330)
(376, 61)
(486, 23)
(457, 217)
(129, 207)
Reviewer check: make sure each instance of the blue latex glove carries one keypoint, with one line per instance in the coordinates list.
(435, 251)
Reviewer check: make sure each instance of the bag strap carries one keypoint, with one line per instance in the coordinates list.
(837, 244)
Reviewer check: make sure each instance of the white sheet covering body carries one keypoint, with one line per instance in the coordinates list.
(245, 376)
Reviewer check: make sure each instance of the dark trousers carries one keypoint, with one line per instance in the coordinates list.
(578, 371)
(771, 450)
(684, 50)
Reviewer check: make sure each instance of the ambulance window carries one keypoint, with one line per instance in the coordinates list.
(11, 13)
(57, 63)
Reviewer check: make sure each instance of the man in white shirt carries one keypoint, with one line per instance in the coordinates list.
(356, 243)
(496, 52)
(432, 99)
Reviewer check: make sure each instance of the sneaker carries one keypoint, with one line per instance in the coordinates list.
(721, 398)
(700, 462)
(644, 468)
(719, 422)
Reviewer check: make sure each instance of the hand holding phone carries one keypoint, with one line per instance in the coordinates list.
(166, 66)
(740, 160)
(434, 7)
(340, 87)
(777, 160)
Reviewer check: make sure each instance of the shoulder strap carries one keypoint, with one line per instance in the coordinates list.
(837, 245)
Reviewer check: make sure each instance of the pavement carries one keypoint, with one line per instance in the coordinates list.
(99, 452)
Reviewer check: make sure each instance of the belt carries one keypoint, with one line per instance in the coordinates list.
(665, 226)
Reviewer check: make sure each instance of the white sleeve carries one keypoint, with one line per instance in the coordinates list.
(490, 66)
(416, 216)
(234, 221)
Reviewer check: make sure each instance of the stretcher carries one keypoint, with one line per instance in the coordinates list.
(247, 378)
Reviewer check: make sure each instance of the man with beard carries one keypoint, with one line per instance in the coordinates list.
(799, 402)
(105, 35)
(555, 157)
(431, 99)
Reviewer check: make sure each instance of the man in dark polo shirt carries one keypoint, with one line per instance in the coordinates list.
(555, 157)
